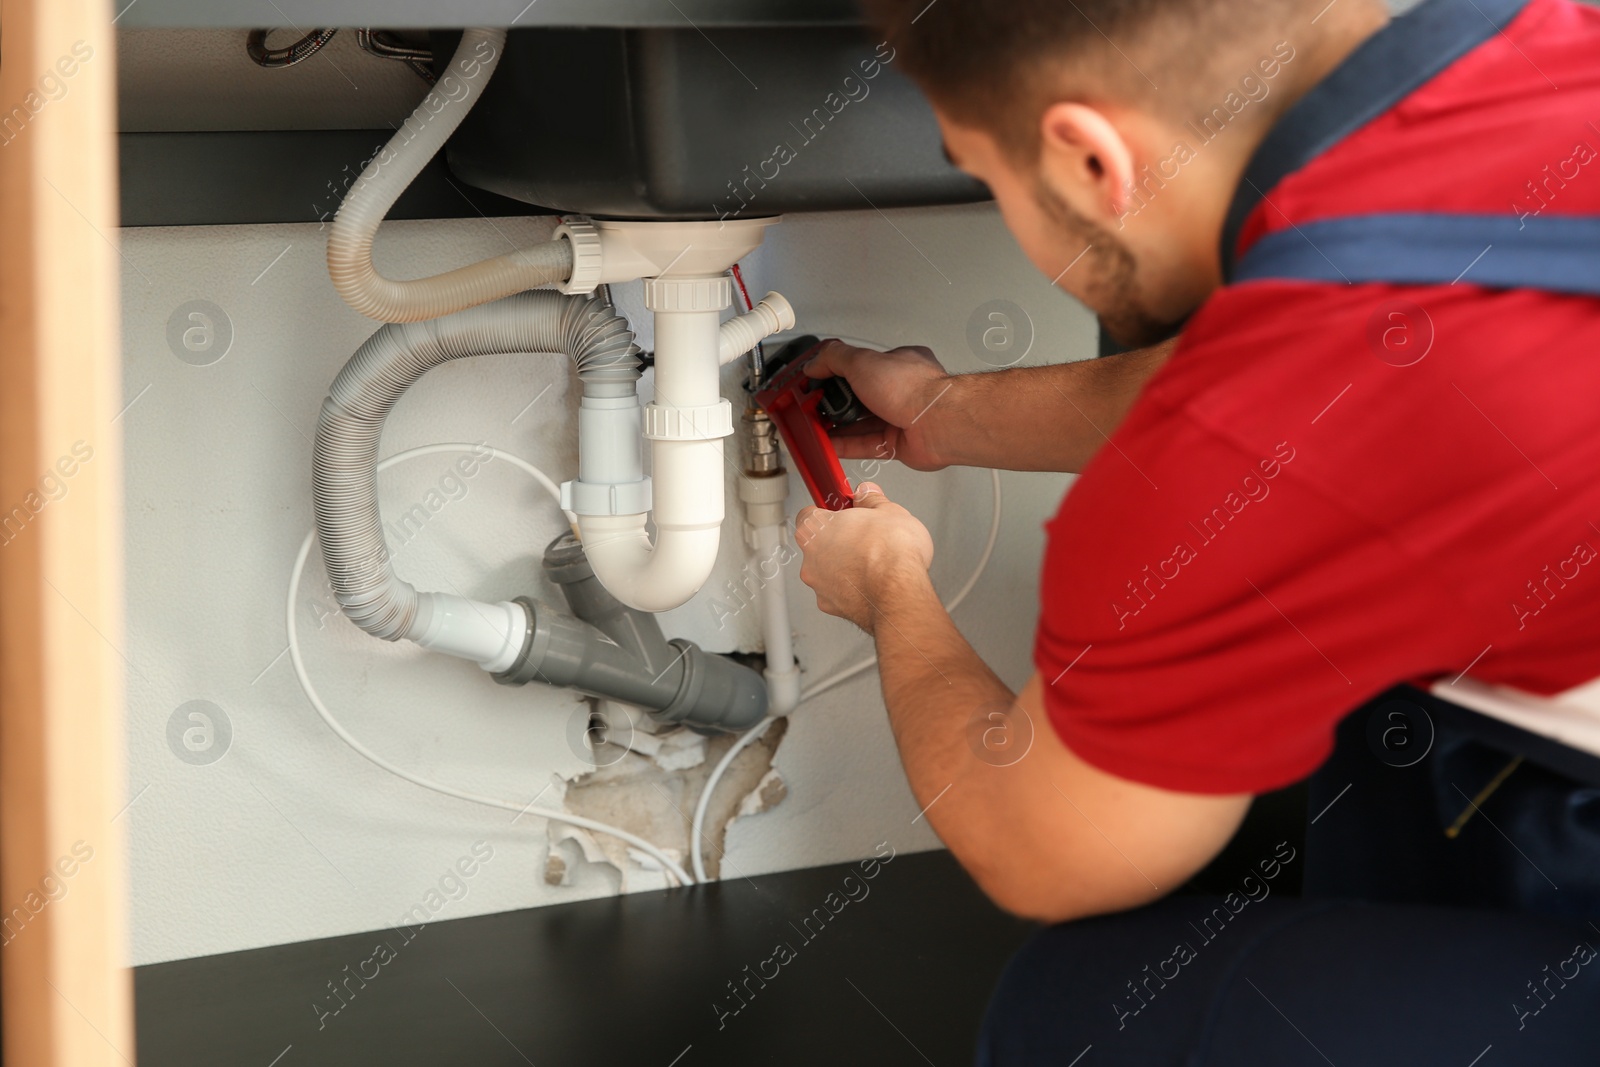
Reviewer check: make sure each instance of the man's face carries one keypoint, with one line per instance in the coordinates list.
(1064, 231)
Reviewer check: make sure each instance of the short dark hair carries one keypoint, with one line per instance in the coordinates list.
(987, 63)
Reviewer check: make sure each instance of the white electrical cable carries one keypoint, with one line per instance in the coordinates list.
(698, 826)
(697, 829)
(671, 866)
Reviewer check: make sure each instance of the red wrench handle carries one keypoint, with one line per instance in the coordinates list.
(792, 399)
(806, 436)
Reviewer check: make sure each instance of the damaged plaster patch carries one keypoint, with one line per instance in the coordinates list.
(571, 846)
(650, 789)
(768, 794)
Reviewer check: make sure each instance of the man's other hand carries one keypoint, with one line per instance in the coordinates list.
(858, 558)
(902, 388)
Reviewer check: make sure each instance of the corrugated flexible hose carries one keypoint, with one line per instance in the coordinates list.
(344, 482)
(394, 168)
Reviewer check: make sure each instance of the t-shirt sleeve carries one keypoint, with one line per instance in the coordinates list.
(1208, 615)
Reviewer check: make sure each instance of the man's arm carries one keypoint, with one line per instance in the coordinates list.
(1045, 834)
(1050, 418)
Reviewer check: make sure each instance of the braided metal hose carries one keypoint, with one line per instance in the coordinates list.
(306, 47)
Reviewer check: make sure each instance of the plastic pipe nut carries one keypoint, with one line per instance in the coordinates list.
(588, 258)
(707, 422)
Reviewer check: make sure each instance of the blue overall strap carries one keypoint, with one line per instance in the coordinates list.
(1552, 253)
(1385, 69)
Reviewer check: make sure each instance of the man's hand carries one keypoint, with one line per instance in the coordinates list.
(1046, 834)
(900, 387)
(857, 559)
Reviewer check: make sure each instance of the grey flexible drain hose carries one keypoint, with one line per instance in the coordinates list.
(389, 173)
(343, 479)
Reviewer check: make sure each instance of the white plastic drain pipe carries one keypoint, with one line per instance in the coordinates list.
(685, 426)
(687, 292)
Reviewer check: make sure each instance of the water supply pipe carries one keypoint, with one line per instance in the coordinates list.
(764, 491)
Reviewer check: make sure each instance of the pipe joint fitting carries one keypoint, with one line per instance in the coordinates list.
(616, 652)
(601, 498)
(663, 422)
(765, 498)
(688, 294)
(715, 693)
(587, 255)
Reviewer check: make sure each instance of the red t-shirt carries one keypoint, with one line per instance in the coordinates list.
(1289, 521)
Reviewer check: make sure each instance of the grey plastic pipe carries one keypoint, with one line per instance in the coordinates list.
(344, 483)
(613, 651)
(388, 174)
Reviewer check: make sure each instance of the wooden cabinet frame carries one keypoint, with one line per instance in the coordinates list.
(64, 982)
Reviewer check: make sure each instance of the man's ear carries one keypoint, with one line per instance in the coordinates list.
(1082, 153)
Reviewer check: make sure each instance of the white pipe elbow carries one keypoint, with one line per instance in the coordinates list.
(783, 688)
(742, 333)
(648, 577)
(687, 473)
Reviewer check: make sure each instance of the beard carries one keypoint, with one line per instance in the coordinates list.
(1111, 288)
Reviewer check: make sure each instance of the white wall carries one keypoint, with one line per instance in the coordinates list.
(290, 835)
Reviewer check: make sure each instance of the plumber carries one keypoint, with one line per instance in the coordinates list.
(1373, 289)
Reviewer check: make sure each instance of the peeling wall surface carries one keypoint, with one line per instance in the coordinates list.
(252, 824)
